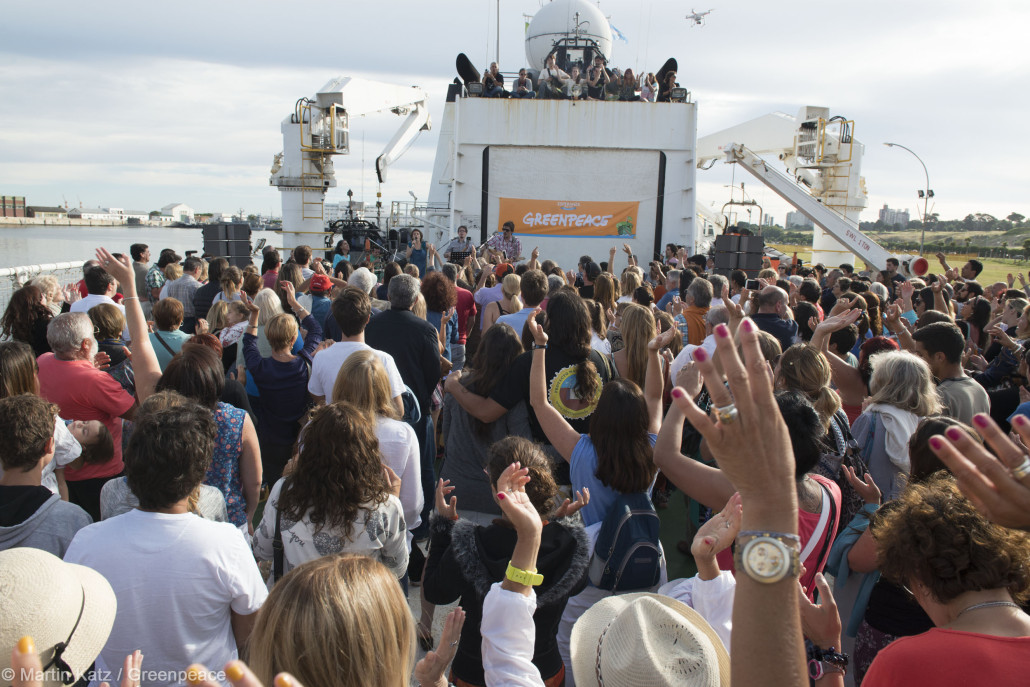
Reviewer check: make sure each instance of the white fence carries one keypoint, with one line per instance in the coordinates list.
(13, 278)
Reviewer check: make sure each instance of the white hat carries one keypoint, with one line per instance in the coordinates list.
(68, 610)
(647, 639)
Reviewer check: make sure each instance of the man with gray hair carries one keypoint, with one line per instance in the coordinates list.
(691, 318)
(773, 315)
(415, 347)
(715, 316)
(672, 289)
(364, 279)
(69, 379)
(718, 283)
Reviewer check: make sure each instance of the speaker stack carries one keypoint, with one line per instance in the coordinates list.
(739, 253)
(229, 240)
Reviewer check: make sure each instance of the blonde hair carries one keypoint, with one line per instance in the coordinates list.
(268, 304)
(606, 291)
(363, 382)
(903, 380)
(511, 287)
(173, 271)
(48, 284)
(629, 282)
(281, 331)
(419, 307)
(216, 315)
(337, 621)
(804, 368)
(638, 328)
(231, 281)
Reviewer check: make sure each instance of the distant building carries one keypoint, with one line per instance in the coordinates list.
(797, 220)
(12, 206)
(894, 218)
(43, 212)
(768, 221)
(179, 212)
(99, 214)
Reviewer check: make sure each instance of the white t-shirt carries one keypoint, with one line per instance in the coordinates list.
(399, 448)
(176, 577)
(84, 304)
(328, 363)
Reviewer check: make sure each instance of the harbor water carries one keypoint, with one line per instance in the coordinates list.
(36, 244)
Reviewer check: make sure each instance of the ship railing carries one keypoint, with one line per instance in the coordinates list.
(13, 278)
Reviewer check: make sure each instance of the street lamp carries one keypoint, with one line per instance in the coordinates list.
(925, 195)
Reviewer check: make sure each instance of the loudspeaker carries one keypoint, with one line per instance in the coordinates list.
(230, 241)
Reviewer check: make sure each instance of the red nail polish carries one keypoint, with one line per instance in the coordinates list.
(936, 443)
(500, 496)
(1020, 420)
(749, 326)
(722, 331)
(954, 433)
(980, 420)
(677, 393)
(700, 355)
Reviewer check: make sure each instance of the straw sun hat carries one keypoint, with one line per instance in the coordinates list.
(647, 639)
(67, 609)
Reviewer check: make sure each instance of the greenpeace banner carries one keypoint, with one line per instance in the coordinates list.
(570, 217)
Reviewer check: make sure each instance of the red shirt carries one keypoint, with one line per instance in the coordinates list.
(949, 658)
(270, 278)
(86, 393)
(466, 308)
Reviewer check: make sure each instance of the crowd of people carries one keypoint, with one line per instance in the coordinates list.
(217, 475)
(593, 82)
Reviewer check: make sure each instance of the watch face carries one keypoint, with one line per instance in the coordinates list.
(766, 559)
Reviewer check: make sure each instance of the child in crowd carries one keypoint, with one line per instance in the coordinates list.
(94, 438)
(30, 514)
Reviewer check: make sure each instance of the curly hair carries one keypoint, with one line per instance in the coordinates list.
(339, 470)
(541, 488)
(935, 536)
(23, 311)
(170, 449)
(439, 291)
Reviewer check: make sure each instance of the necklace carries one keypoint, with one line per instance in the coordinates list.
(986, 604)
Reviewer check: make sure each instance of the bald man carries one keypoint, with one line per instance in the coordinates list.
(773, 316)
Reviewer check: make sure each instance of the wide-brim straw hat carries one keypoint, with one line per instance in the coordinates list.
(55, 603)
(647, 639)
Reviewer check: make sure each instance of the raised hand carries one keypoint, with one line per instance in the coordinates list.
(986, 480)
(515, 503)
(907, 289)
(567, 507)
(534, 254)
(430, 670)
(626, 249)
(318, 268)
(570, 277)
(1011, 279)
(539, 335)
(662, 340)
(202, 326)
(821, 622)
(248, 302)
(839, 321)
(719, 531)
(447, 509)
(866, 488)
(121, 270)
(689, 378)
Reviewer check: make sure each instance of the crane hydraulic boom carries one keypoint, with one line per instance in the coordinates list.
(824, 158)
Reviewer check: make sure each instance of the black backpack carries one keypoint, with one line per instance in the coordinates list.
(627, 554)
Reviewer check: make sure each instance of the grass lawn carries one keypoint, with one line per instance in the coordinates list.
(995, 269)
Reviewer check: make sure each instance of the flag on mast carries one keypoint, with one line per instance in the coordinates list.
(618, 34)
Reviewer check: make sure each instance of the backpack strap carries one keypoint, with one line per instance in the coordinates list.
(821, 527)
(277, 546)
(828, 532)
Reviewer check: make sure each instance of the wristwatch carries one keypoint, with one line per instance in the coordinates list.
(535, 346)
(530, 578)
(822, 662)
(767, 557)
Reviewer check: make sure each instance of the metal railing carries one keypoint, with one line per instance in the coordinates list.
(13, 278)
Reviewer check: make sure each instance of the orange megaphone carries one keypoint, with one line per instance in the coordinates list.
(920, 266)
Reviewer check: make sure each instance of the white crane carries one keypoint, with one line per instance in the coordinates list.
(319, 129)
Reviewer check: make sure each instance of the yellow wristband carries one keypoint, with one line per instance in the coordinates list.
(530, 578)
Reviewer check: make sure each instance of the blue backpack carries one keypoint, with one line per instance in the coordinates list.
(627, 554)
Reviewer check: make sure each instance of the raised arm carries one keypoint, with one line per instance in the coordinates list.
(654, 378)
(145, 367)
(703, 483)
(893, 320)
(560, 433)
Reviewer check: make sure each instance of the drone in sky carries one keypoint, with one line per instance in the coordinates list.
(698, 17)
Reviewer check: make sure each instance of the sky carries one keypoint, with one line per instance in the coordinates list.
(138, 105)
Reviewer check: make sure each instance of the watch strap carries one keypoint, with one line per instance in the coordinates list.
(530, 578)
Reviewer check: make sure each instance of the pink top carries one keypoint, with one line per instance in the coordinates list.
(85, 393)
(270, 278)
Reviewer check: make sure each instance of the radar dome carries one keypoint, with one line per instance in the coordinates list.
(557, 20)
